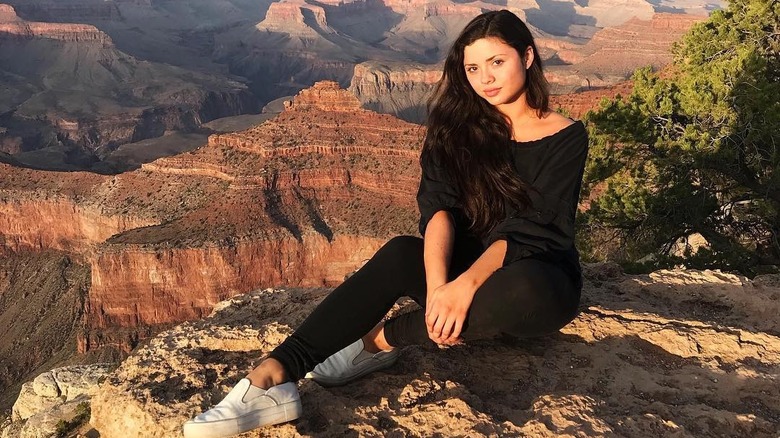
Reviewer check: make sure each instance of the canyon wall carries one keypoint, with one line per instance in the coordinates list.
(400, 89)
(135, 287)
(48, 68)
(12, 27)
(614, 53)
(293, 18)
(62, 11)
(60, 223)
(192, 108)
(303, 199)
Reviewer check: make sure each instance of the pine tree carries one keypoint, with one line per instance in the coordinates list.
(694, 150)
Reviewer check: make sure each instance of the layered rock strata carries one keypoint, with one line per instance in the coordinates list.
(395, 88)
(302, 199)
(59, 222)
(577, 105)
(12, 27)
(614, 53)
(72, 97)
(294, 18)
(69, 11)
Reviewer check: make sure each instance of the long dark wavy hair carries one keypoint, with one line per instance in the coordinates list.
(470, 138)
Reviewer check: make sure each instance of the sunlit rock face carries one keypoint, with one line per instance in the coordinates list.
(675, 351)
(302, 199)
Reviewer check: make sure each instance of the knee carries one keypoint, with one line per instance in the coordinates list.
(402, 246)
(539, 322)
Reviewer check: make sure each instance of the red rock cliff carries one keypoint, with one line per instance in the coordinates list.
(303, 199)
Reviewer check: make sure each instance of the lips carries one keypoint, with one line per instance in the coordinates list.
(491, 92)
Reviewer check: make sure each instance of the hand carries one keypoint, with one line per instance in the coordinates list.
(446, 309)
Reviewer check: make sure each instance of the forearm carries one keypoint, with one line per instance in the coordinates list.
(438, 242)
(486, 264)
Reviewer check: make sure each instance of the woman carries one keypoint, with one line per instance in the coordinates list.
(501, 176)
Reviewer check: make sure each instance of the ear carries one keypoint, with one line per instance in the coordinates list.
(529, 57)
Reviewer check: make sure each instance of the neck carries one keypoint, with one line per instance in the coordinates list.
(518, 112)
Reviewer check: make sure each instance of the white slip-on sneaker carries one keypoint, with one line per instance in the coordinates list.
(350, 363)
(246, 407)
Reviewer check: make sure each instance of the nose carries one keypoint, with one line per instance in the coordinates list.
(485, 76)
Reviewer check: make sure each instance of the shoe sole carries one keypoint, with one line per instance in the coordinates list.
(330, 382)
(252, 420)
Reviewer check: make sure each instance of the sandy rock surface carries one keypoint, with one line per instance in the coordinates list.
(44, 424)
(677, 353)
(56, 387)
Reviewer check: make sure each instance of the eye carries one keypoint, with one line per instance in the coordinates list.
(498, 61)
(471, 69)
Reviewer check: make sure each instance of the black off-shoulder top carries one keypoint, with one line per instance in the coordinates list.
(554, 166)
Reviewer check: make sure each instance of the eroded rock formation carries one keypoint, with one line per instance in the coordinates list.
(59, 222)
(614, 53)
(68, 11)
(577, 104)
(79, 33)
(294, 18)
(302, 199)
(58, 386)
(48, 68)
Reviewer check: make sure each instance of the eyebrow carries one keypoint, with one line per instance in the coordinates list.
(490, 59)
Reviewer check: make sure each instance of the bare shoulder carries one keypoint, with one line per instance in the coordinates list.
(554, 122)
(550, 124)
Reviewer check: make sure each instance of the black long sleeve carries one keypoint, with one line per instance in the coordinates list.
(553, 166)
(437, 192)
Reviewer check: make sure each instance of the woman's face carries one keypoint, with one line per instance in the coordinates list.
(496, 71)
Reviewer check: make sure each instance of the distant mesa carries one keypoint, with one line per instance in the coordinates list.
(609, 13)
(291, 17)
(614, 53)
(432, 8)
(325, 96)
(12, 27)
(7, 14)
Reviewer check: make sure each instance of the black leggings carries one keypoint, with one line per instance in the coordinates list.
(527, 298)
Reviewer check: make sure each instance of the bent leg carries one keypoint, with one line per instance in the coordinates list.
(356, 306)
(524, 299)
(528, 298)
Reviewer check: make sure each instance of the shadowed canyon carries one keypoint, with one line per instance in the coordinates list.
(106, 86)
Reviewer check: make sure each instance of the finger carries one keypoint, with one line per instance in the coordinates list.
(458, 329)
(451, 331)
(430, 320)
(450, 341)
(439, 325)
(447, 328)
(433, 336)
